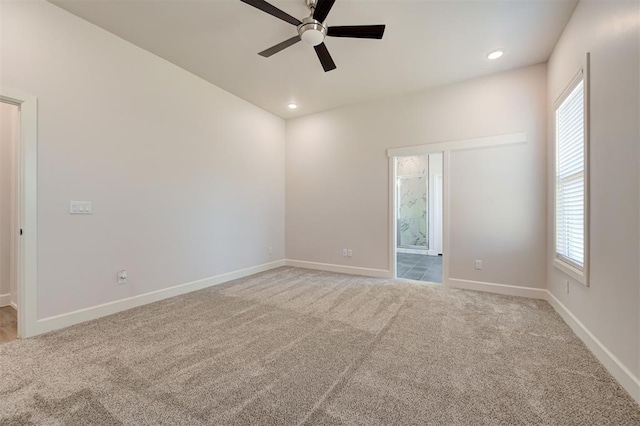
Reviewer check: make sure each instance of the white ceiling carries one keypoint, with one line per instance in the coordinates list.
(427, 43)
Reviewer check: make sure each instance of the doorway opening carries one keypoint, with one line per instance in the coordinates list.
(418, 212)
(9, 219)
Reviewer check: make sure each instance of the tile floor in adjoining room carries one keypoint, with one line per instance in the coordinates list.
(419, 267)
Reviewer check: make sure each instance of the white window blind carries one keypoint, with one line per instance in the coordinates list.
(570, 178)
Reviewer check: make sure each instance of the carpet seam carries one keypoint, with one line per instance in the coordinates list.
(351, 369)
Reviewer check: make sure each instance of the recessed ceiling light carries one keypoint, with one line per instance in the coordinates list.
(495, 55)
(292, 105)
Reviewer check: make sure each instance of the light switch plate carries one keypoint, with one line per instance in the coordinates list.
(80, 207)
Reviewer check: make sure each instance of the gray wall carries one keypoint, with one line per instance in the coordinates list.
(9, 134)
(337, 191)
(186, 180)
(610, 307)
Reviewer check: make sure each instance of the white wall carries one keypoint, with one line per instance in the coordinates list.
(337, 192)
(9, 134)
(610, 307)
(186, 180)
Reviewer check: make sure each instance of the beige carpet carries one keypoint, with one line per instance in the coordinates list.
(292, 346)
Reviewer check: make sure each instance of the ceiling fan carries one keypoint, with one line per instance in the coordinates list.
(312, 29)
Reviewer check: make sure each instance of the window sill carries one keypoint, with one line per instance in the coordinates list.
(571, 271)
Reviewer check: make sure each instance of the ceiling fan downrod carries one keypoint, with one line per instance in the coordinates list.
(311, 4)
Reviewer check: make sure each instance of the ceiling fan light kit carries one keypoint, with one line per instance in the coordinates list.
(313, 31)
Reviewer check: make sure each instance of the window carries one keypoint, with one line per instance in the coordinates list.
(571, 219)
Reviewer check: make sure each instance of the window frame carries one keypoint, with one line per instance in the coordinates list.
(569, 268)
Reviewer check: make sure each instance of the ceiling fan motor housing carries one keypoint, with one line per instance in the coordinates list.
(311, 31)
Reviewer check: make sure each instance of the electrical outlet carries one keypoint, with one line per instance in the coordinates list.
(478, 264)
(566, 285)
(349, 252)
(121, 277)
(270, 250)
(80, 207)
(344, 252)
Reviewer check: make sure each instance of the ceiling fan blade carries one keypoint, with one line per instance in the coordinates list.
(357, 31)
(325, 57)
(272, 10)
(280, 46)
(323, 7)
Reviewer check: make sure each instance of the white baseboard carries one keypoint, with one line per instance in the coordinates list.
(342, 269)
(417, 251)
(65, 320)
(411, 250)
(14, 306)
(5, 300)
(510, 290)
(621, 373)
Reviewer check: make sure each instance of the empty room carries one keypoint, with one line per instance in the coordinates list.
(319, 212)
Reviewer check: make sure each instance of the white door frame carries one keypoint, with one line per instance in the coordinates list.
(445, 148)
(27, 198)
